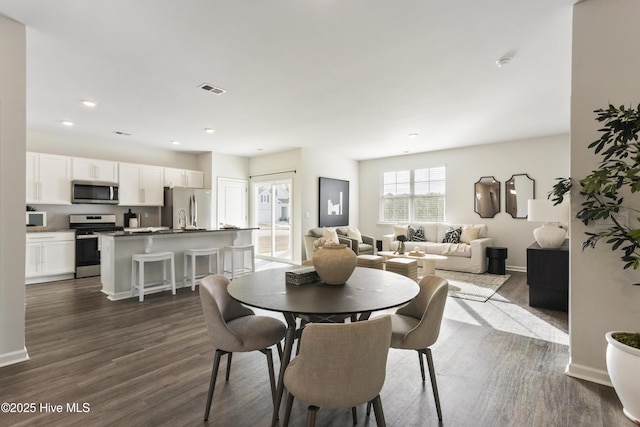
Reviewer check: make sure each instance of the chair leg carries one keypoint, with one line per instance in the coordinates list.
(420, 352)
(226, 378)
(377, 409)
(354, 415)
(287, 411)
(272, 375)
(212, 384)
(368, 408)
(311, 416)
(434, 385)
(280, 351)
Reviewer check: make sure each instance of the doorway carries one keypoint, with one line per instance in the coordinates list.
(272, 216)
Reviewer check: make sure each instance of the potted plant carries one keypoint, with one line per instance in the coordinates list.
(604, 190)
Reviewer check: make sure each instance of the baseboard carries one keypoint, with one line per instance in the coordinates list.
(14, 357)
(125, 295)
(589, 374)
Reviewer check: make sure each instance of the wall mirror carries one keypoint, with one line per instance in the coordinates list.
(517, 190)
(487, 197)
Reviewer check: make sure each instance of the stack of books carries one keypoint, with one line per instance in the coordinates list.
(302, 276)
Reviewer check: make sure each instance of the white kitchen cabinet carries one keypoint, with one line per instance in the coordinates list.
(183, 178)
(48, 179)
(94, 170)
(50, 256)
(140, 185)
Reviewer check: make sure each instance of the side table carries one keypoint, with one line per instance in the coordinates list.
(497, 256)
(548, 276)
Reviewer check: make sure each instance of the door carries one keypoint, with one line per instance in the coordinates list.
(232, 202)
(272, 216)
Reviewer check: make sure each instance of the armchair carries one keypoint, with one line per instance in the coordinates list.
(365, 247)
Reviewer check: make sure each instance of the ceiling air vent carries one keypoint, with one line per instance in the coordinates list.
(117, 132)
(212, 89)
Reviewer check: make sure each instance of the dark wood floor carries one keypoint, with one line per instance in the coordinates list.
(498, 363)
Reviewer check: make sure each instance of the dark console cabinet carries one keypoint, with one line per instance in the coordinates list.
(548, 277)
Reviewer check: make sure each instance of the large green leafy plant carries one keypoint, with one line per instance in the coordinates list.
(618, 176)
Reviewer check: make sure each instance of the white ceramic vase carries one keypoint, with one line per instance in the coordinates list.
(623, 365)
(334, 264)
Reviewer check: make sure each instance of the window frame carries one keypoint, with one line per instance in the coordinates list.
(412, 196)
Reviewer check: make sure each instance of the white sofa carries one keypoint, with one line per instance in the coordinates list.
(468, 256)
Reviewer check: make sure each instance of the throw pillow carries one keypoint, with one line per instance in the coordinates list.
(354, 233)
(399, 230)
(419, 236)
(452, 235)
(410, 233)
(469, 233)
(330, 234)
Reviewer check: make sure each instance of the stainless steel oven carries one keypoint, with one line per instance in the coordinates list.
(87, 229)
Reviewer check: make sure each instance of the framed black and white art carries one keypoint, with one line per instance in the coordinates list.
(333, 202)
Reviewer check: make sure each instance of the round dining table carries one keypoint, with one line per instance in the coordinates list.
(367, 290)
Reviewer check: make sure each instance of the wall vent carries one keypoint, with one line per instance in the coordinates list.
(211, 88)
(117, 132)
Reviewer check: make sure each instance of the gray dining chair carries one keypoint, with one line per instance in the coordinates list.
(416, 326)
(339, 366)
(233, 327)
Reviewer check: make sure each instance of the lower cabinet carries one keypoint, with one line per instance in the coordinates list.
(50, 256)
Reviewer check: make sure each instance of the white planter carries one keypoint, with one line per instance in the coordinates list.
(623, 364)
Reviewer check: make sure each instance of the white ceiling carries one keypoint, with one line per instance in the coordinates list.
(350, 76)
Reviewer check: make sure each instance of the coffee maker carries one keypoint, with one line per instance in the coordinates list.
(131, 220)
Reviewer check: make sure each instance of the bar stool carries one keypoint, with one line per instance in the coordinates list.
(244, 268)
(191, 255)
(163, 284)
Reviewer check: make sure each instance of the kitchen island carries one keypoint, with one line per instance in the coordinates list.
(116, 250)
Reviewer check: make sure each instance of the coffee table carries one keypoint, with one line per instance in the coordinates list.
(428, 260)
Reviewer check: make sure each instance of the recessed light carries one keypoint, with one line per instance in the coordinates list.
(209, 130)
(260, 149)
(67, 123)
(175, 142)
(413, 135)
(87, 103)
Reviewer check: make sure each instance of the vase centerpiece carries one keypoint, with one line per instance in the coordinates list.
(334, 263)
(401, 246)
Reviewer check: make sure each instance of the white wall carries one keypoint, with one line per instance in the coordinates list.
(310, 164)
(543, 159)
(12, 189)
(606, 59)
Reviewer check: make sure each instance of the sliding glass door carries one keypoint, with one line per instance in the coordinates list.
(272, 216)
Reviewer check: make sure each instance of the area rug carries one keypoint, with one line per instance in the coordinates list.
(475, 287)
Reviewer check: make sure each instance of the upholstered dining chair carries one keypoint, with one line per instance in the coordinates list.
(233, 328)
(340, 365)
(416, 326)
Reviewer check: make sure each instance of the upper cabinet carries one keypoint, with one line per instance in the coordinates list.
(141, 185)
(94, 170)
(48, 179)
(183, 178)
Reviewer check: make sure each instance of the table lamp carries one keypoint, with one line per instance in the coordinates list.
(549, 235)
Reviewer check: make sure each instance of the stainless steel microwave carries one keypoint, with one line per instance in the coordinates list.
(94, 192)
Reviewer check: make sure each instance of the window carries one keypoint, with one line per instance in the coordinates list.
(416, 195)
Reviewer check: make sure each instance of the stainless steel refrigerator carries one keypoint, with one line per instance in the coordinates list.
(187, 208)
